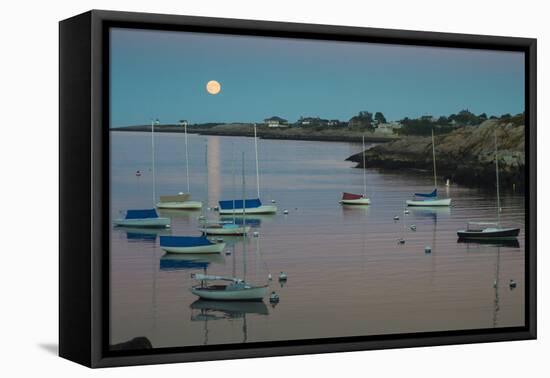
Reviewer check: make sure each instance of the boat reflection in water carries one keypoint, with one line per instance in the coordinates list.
(205, 311)
(139, 234)
(510, 243)
(173, 262)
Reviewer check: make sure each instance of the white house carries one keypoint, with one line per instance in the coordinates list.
(276, 122)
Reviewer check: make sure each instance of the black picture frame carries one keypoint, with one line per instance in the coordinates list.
(84, 187)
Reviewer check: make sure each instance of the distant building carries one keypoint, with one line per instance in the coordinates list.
(335, 123)
(388, 128)
(276, 122)
(312, 121)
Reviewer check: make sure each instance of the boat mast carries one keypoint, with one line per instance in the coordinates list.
(498, 186)
(153, 122)
(244, 219)
(233, 180)
(186, 157)
(433, 153)
(364, 171)
(257, 165)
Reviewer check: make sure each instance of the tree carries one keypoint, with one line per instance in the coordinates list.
(379, 117)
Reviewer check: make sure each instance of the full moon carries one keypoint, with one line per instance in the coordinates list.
(213, 87)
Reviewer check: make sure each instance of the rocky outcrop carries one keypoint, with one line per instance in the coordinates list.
(465, 156)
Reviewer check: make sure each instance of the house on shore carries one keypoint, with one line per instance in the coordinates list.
(276, 122)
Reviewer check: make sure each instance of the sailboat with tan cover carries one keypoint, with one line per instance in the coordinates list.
(180, 200)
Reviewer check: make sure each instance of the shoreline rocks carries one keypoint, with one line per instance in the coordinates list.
(465, 156)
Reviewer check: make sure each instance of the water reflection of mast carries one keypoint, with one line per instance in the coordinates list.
(496, 285)
(213, 169)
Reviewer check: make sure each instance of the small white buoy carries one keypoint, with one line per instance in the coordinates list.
(282, 276)
(209, 208)
(273, 201)
(401, 241)
(427, 249)
(396, 218)
(413, 227)
(406, 211)
(269, 277)
(513, 284)
(285, 211)
(448, 182)
(274, 297)
(256, 234)
(180, 194)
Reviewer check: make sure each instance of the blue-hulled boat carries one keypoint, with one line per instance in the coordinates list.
(142, 218)
(189, 244)
(250, 206)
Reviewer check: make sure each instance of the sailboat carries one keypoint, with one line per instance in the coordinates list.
(430, 199)
(358, 199)
(236, 289)
(248, 206)
(490, 230)
(190, 244)
(225, 227)
(180, 200)
(145, 217)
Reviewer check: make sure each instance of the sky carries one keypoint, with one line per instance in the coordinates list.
(163, 74)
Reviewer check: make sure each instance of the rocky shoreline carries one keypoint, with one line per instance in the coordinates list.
(465, 156)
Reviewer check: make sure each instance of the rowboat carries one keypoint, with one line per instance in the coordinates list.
(224, 228)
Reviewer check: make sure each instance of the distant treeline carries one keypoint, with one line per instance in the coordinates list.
(444, 125)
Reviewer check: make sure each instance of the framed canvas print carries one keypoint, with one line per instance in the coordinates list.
(234, 188)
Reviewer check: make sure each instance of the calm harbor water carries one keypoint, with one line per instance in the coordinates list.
(348, 275)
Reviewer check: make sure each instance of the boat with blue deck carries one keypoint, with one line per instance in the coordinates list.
(190, 244)
(142, 218)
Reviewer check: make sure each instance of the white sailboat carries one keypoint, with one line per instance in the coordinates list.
(430, 199)
(237, 289)
(490, 230)
(248, 206)
(180, 200)
(358, 199)
(145, 217)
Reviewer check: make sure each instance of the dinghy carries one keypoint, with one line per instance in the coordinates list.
(181, 200)
(142, 218)
(490, 230)
(189, 244)
(358, 199)
(249, 206)
(430, 199)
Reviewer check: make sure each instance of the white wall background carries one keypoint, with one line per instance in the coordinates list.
(29, 189)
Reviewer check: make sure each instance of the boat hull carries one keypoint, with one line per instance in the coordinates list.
(186, 205)
(430, 203)
(225, 231)
(493, 234)
(211, 248)
(359, 201)
(264, 209)
(143, 222)
(250, 294)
